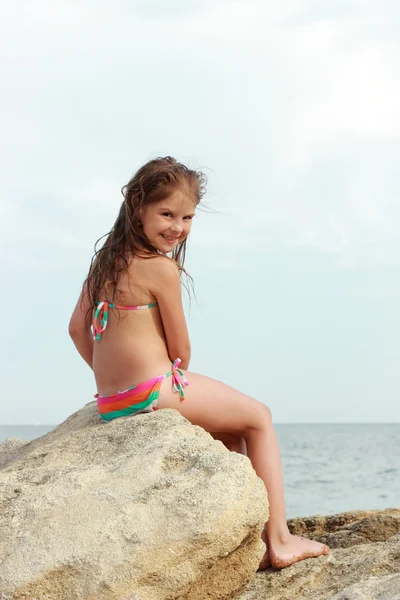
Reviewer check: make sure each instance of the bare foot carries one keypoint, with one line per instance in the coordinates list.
(265, 561)
(294, 549)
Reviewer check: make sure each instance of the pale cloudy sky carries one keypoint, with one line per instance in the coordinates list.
(292, 110)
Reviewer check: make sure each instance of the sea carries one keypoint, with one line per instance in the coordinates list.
(327, 468)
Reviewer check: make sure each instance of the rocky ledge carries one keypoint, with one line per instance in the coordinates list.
(364, 563)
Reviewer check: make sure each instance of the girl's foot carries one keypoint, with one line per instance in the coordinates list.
(293, 549)
(265, 561)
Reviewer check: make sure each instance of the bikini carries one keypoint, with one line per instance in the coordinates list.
(140, 398)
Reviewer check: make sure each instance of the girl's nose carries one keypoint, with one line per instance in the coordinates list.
(177, 227)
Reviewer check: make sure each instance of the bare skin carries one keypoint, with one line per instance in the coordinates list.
(222, 410)
(233, 443)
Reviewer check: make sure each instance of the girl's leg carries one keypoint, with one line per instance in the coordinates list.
(234, 443)
(219, 408)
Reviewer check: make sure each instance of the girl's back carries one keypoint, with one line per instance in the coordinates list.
(133, 346)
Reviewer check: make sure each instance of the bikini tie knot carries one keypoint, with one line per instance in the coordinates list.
(179, 380)
(100, 320)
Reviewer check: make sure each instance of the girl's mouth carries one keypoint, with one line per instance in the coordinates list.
(170, 240)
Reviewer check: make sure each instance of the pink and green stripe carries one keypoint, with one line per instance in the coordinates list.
(141, 397)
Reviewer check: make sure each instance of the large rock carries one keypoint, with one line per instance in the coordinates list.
(142, 508)
(364, 563)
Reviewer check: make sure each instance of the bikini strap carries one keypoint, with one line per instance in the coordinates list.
(100, 318)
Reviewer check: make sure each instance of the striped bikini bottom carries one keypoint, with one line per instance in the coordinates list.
(141, 398)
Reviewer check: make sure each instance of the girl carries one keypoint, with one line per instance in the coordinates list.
(133, 295)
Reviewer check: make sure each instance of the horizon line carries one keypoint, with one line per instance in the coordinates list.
(275, 423)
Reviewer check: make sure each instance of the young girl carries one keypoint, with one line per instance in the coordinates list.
(139, 347)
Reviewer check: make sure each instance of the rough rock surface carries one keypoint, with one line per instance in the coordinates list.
(142, 508)
(364, 563)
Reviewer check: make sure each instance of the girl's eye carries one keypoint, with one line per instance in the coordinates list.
(167, 214)
(189, 218)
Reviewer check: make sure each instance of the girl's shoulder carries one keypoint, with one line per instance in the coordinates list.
(155, 273)
(157, 264)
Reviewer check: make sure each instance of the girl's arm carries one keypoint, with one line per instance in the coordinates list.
(165, 284)
(77, 329)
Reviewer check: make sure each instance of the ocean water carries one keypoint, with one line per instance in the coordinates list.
(335, 468)
(327, 468)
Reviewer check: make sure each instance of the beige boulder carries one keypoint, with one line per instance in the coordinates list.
(142, 508)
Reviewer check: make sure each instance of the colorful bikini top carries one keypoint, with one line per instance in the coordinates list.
(100, 318)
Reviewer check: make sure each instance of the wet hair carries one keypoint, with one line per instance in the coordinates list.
(154, 181)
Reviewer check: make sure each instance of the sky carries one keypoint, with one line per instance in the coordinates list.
(291, 110)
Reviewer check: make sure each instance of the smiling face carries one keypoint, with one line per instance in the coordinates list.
(167, 223)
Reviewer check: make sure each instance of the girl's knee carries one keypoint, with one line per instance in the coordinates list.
(262, 418)
(262, 410)
(267, 413)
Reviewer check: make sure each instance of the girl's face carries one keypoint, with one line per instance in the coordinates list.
(167, 223)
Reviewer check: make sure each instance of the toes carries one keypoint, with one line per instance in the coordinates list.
(265, 562)
(264, 537)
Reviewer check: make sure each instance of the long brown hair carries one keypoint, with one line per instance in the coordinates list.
(154, 181)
